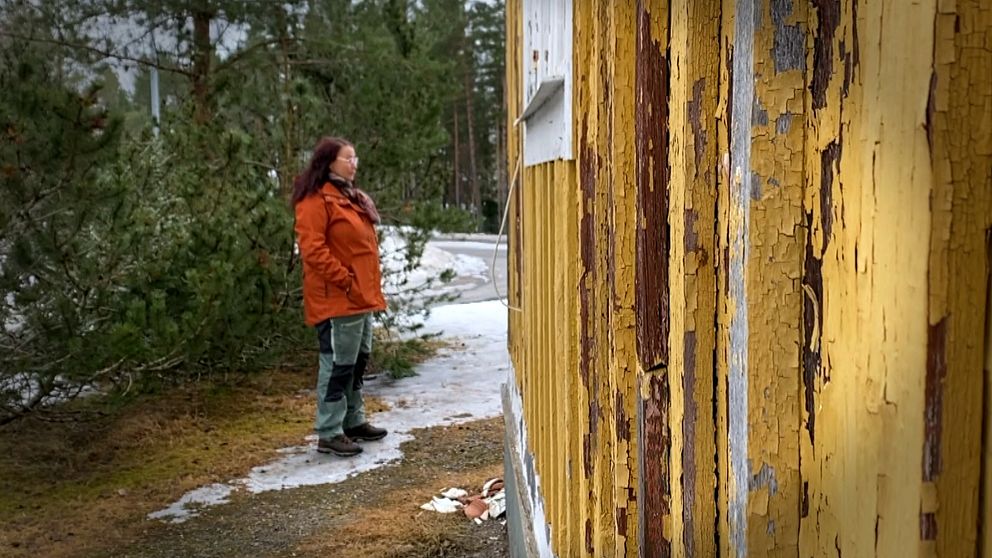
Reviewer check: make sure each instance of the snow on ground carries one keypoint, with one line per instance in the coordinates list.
(13, 322)
(471, 245)
(21, 388)
(469, 271)
(188, 505)
(433, 262)
(461, 384)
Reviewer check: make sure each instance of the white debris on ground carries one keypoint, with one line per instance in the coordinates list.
(454, 493)
(459, 385)
(488, 504)
(442, 505)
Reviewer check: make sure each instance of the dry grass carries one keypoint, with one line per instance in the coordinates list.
(394, 526)
(74, 488)
(397, 527)
(372, 514)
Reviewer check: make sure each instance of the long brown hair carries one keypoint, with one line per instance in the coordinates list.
(317, 172)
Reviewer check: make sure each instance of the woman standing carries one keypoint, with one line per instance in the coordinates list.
(335, 230)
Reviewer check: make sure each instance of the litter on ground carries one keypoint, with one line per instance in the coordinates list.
(442, 505)
(489, 503)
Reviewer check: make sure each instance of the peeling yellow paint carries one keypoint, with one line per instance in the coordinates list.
(960, 202)
(986, 514)
(623, 352)
(775, 297)
(721, 260)
(884, 199)
(695, 63)
(865, 281)
(604, 523)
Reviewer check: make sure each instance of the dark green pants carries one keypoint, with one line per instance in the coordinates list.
(341, 339)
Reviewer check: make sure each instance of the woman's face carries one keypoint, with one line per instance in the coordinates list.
(346, 164)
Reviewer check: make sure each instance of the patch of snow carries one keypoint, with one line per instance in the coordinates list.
(479, 237)
(13, 322)
(303, 466)
(468, 245)
(23, 387)
(192, 502)
(469, 271)
(462, 384)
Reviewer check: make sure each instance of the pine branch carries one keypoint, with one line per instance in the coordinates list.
(99, 51)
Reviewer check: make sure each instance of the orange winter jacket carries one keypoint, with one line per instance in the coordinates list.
(341, 275)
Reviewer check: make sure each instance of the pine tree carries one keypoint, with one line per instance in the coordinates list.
(53, 210)
(126, 256)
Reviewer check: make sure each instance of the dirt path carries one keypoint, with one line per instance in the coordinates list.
(373, 514)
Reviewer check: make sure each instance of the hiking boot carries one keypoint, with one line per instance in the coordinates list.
(339, 445)
(365, 432)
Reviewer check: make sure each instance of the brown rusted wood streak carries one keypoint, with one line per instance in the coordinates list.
(813, 276)
(848, 59)
(691, 237)
(828, 17)
(804, 507)
(928, 527)
(655, 440)
(653, 236)
(933, 399)
(812, 324)
(623, 424)
(931, 108)
(689, 417)
(622, 522)
(588, 531)
(829, 158)
(695, 119)
(587, 250)
(726, 265)
(589, 442)
(855, 47)
(606, 81)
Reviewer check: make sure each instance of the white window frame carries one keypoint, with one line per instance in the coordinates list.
(547, 80)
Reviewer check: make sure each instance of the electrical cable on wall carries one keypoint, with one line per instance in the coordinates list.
(506, 211)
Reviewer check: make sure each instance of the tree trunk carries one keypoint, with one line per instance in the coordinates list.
(202, 55)
(458, 178)
(473, 175)
(501, 181)
(503, 165)
(288, 163)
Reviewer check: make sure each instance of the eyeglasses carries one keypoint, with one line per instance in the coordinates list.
(352, 160)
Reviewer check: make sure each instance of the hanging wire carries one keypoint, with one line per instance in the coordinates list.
(502, 225)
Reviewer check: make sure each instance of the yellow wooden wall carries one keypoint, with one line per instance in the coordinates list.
(829, 201)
